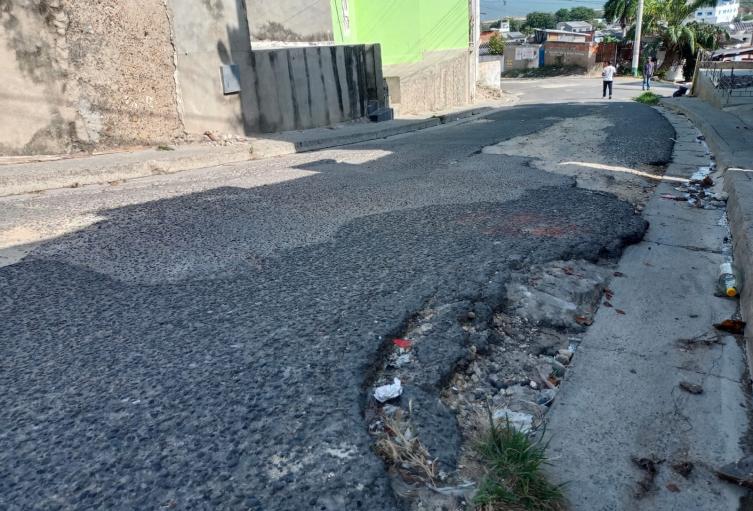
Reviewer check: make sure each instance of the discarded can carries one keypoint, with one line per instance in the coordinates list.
(728, 284)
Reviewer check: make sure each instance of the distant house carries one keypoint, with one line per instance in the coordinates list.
(575, 26)
(612, 33)
(734, 55)
(514, 37)
(725, 11)
(504, 27)
(740, 33)
(543, 36)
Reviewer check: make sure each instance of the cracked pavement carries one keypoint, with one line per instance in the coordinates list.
(202, 340)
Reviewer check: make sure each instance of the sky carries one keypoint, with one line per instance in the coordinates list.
(493, 9)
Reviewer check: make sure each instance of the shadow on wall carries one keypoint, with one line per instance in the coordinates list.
(296, 88)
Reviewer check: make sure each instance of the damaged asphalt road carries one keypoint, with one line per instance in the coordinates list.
(207, 341)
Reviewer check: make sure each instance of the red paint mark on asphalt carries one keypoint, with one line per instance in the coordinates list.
(402, 343)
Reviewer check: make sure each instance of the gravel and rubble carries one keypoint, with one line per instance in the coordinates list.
(514, 374)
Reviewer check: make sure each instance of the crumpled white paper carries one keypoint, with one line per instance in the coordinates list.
(387, 392)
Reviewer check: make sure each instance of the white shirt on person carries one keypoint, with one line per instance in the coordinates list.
(608, 73)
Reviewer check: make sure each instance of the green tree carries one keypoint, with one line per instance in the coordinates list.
(622, 12)
(667, 19)
(496, 45)
(582, 14)
(708, 37)
(562, 15)
(516, 25)
(540, 20)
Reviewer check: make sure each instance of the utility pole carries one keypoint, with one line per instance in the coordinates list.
(637, 43)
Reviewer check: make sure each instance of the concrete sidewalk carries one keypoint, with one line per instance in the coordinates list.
(44, 173)
(621, 400)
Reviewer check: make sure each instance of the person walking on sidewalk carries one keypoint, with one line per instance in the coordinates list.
(608, 77)
(648, 73)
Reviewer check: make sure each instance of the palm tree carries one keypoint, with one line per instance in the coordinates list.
(621, 11)
(669, 20)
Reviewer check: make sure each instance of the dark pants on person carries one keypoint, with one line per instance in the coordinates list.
(647, 82)
(607, 85)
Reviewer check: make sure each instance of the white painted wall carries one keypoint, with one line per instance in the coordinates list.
(724, 12)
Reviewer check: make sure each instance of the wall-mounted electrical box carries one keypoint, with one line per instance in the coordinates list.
(231, 78)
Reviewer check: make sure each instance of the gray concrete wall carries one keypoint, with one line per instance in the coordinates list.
(704, 89)
(298, 88)
(512, 62)
(79, 74)
(438, 82)
(206, 35)
(490, 71)
(94, 74)
(290, 20)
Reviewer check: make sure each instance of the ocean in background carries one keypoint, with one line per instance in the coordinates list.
(494, 9)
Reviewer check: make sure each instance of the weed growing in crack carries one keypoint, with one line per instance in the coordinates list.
(514, 477)
(648, 98)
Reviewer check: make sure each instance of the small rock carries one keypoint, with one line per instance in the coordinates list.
(495, 382)
(546, 397)
(562, 359)
(533, 385)
(691, 387)
(471, 315)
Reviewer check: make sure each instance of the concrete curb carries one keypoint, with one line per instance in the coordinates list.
(738, 183)
(731, 145)
(272, 147)
(73, 172)
(732, 150)
(265, 148)
(716, 143)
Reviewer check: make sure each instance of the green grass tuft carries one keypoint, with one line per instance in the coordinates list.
(514, 478)
(648, 98)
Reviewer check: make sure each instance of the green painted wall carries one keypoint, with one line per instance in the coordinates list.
(405, 28)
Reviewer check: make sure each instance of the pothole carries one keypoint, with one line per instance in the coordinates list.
(515, 358)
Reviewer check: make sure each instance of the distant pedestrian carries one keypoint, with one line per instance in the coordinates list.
(648, 72)
(608, 77)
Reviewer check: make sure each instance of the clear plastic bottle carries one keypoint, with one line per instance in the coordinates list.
(728, 281)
